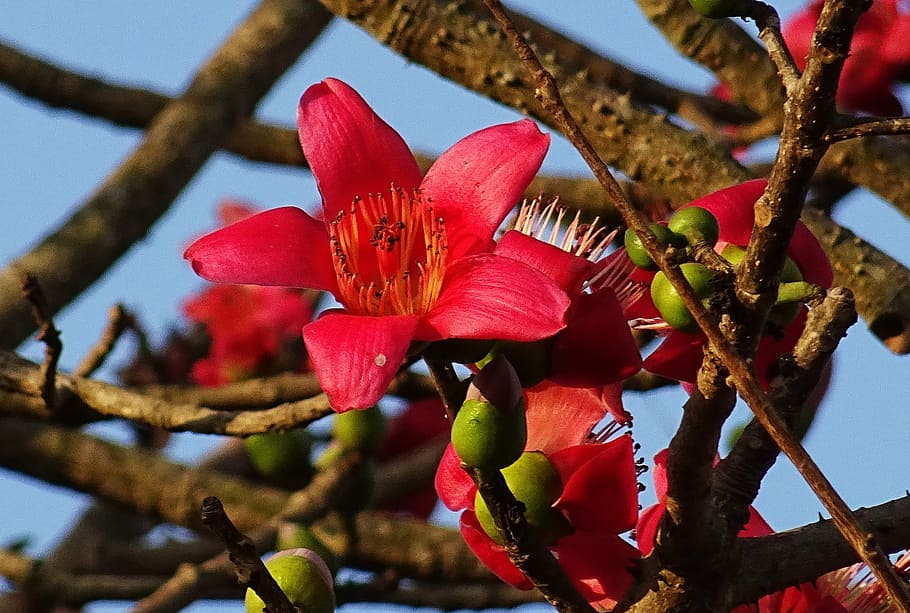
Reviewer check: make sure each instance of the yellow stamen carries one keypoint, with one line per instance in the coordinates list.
(389, 253)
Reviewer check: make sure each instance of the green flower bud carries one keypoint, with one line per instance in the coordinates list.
(696, 224)
(636, 248)
(667, 301)
(303, 576)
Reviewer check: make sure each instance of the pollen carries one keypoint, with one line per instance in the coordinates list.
(389, 251)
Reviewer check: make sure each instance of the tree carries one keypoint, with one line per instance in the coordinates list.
(674, 145)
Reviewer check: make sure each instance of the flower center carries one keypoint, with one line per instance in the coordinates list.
(389, 253)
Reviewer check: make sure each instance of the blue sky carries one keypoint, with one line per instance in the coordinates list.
(53, 160)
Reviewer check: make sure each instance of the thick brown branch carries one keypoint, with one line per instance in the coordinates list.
(177, 144)
(803, 554)
(738, 476)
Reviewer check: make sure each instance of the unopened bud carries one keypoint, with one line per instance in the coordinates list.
(304, 578)
(498, 384)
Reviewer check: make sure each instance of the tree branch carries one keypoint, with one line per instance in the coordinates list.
(179, 141)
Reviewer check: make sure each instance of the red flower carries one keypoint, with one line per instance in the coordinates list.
(409, 258)
(599, 496)
(422, 422)
(248, 327)
(596, 349)
(879, 55)
(679, 355)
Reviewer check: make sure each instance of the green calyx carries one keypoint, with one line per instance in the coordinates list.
(636, 248)
(488, 437)
(534, 482)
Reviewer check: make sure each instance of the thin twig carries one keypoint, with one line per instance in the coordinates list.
(769, 32)
(879, 127)
(49, 335)
(251, 572)
(119, 320)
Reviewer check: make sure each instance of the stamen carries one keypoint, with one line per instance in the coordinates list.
(616, 274)
(399, 268)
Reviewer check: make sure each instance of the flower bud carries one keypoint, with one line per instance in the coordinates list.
(487, 437)
(498, 384)
(303, 576)
(696, 224)
(667, 301)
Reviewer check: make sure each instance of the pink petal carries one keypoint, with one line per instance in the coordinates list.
(756, 526)
(493, 297)
(569, 271)
(560, 417)
(597, 347)
(492, 555)
(646, 529)
(733, 208)
(231, 211)
(282, 246)
(357, 356)
(455, 488)
(660, 474)
(678, 356)
(598, 564)
(807, 254)
(602, 493)
(351, 150)
(611, 397)
(480, 178)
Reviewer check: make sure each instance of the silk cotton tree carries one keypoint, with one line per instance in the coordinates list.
(421, 332)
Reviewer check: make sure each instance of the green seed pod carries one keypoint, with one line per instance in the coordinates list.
(361, 430)
(282, 457)
(303, 576)
(668, 302)
(488, 437)
(696, 224)
(294, 535)
(533, 481)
